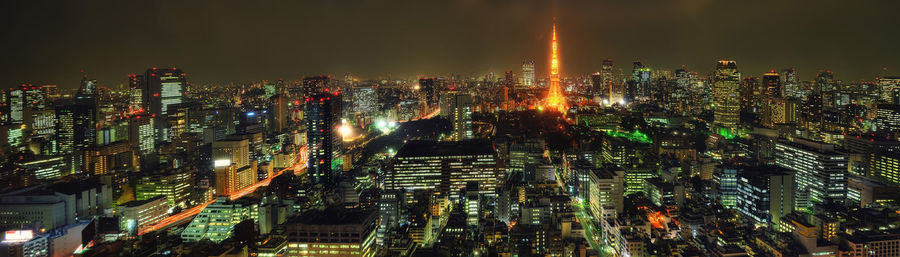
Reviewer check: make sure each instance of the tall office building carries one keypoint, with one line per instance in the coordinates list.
(324, 144)
(726, 103)
(457, 107)
(608, 82)
(444, 167)
(429, 91)
(790, 87)
(528, 73)
(640, 81)
(16, 101)
(231, 161)
(135, 91)
(887, 118)
(727, 179)
(77, 131)
(820, 170)
(216, 222)
(887, 86)
(160, 89)
(332, 232)
(176, 186)
(142, 135)
(316, 84)
(824, 82)
(765, 194)
(771, 83)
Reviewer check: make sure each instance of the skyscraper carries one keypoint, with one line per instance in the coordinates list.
(640, 81)
(607, 82)
(771, 83)
(528, 73)
(789, 84)
(161, 88)
(820, 169)
(457, 107)
(429, 92)
(135, 90)
(726, 103)
(323, 116)
(555, 98)
(765, 194)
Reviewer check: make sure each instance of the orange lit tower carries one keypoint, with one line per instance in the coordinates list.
(555, 98)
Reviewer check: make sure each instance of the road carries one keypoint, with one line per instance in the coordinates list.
(186, 215)
(592, 233)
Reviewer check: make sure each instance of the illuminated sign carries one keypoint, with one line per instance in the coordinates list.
(221, 163)
(18, 236)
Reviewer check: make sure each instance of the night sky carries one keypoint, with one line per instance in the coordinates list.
(50, 42)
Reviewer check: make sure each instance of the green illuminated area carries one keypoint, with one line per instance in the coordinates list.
(726, 133)
(636, 136)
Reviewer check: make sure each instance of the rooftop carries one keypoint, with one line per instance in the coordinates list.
(419, 148)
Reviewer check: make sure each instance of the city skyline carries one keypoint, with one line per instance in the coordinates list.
(268, 41)
(452, 129)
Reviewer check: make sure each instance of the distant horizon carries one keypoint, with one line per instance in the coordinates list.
(231, 41)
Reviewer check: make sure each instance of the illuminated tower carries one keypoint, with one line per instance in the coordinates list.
(555, 98)
(323, 116)
(727, 104)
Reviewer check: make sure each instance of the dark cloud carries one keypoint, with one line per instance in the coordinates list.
(49, 42)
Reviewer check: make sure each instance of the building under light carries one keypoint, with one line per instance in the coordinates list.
(819, 169)
(162, 88)
(528, 73)
(323, 138)
(137, 214)
(176, 186)
(765, 194)
(444, 167)
(216, 222)
(726, 102)
(556, 100)
(332, 232)
(457, 107)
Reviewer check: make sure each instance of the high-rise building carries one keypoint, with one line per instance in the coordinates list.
(77, 130)
(607, 189)
(556, 100)
(727, 178)
(765, 194)
(457, 107)
(771, 83)
(820, 170)
(316, 84)
(162, 88)
(138, 214)
(887, 118)
(887, 86)
(444, 167)
(726, 103)
(639, 85)
(789, 84)
(608, 84)
(216, 222)
(141, 134)
(332, 232)
(429, 92)
(16, 102)
(176, 186)
(136, 92)
(528, 73)
(824, 82)
(231, 161)
(324, 143)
